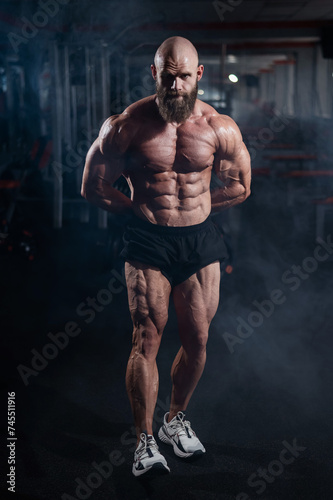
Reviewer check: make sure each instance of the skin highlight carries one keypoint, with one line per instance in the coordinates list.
(166, 146)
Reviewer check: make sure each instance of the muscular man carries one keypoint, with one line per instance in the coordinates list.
(166, 146)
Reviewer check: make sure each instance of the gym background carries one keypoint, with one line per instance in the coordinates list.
(263, 407)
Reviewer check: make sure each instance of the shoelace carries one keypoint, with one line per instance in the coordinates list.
(147, 442)
(185, 425)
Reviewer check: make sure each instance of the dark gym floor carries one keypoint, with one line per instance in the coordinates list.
(268, 391)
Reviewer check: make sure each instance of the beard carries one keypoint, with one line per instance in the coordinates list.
(173, 108)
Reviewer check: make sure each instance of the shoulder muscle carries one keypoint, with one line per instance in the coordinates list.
(114, 136)
(228, 136)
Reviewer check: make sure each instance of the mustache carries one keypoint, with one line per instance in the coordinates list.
(173, 109)
(174, 93)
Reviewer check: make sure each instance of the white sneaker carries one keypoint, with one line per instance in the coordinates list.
(179, 434)
(147, 458)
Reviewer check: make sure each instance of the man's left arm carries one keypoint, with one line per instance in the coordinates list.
(232, 166)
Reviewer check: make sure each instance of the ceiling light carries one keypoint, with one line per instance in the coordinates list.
(231, 59)
(233, 78)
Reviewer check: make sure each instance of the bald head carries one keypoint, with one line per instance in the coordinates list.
(178, 49)
(177, 73)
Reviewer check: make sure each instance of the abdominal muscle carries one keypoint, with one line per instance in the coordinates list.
(172, 199)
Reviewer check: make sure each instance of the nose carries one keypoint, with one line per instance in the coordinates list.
(176, 84)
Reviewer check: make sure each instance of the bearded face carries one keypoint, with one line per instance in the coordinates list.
(176, 106)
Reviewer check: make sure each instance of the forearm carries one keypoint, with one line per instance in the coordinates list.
(110, 199)
(100, 172)
(226, 197)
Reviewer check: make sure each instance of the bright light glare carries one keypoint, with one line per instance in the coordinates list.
(231, 59)
(201, 92)
(233, 78)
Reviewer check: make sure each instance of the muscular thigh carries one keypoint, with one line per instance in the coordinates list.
(196, 299)
(148, 295)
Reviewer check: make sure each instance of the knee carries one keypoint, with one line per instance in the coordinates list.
(146, 341)
(196, 346)
(200, 342)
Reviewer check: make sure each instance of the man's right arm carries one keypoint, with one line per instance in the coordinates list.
(104, 165)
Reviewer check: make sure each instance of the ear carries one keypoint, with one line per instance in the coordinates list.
(153, 71)
(200, 71)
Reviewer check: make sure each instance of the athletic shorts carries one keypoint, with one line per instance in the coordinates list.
(177, 251)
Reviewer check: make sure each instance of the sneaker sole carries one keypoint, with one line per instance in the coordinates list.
(163, 437)
(157, 469)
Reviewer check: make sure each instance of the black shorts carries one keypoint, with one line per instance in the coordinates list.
(177, 251)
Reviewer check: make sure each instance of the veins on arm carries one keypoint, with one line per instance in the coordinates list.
(105, 163)
(231, 165)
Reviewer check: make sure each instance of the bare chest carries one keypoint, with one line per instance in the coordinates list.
(189, 147)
